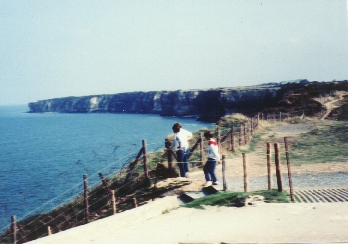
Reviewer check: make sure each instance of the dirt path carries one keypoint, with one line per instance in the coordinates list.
(329, 103)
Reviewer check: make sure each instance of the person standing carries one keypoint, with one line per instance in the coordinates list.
(213, 158)
(180, 142)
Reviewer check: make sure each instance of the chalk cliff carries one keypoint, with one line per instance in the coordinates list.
(208, 105)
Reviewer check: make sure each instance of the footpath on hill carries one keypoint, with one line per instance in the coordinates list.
(261, 223)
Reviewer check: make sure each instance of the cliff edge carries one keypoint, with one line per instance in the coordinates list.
(296, 98)
(206, 104)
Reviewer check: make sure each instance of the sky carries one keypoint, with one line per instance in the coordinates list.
(60, 48)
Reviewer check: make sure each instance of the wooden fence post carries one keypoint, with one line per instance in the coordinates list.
(245, 174)
(245, 139)
(146, 171)
(280, 116)
(156, 177)
(224, 183)
(274, 118)
(262, 118)
(113, 202)
(269, 172)
(49, 232)
(277, 163)
(251, 127)
(194, 147)
(135, 205)
(219, 139)
(105, 184)
(14, 229)
(201, 154)
(289, 170)
(167, 145)
(170, 162)
(22, 233)
(240, 135)
(232, 139)
(85, 196)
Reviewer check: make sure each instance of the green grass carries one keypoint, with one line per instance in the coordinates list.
(328, 142)
(237, 199)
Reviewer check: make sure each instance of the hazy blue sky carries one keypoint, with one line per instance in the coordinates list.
(58, 48)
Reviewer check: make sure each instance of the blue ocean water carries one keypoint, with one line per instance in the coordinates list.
(44, 156)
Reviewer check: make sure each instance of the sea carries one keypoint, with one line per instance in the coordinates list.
(43, 156)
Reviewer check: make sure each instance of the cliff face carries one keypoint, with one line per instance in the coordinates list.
(209, 105)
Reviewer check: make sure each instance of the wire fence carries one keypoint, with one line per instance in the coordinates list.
(83, 203)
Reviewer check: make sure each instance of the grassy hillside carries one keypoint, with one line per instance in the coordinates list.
(326, 142)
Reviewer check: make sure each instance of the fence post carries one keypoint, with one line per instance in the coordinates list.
(85, 196)
(277, 163)
(14, 229)
(170, 162)
(156, 177)
(194, 148)
(113, 202)
(105, 184)
(201, 148)
(232, 139)
(155, 181)
(261, 118)
(245, 174)
(224, 183)
(251, 126)
(49, 232)
(22, 233)
(167, 145)
(145, 160)
(274, 120)
(289, 170)
(280, 116)
(240, 135)
(245, 140)
(219, 139)
(135, 205)
(269, 173)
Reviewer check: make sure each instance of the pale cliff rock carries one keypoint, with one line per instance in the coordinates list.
(207, 104)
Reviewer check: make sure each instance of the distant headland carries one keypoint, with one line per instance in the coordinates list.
(207, 105)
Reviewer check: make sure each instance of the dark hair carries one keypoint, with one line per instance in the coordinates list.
(208, 134)
(176, 127)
